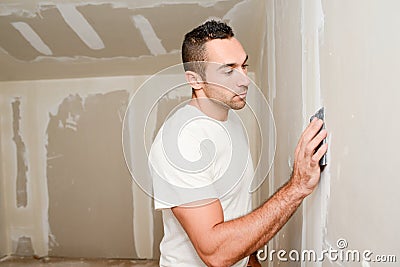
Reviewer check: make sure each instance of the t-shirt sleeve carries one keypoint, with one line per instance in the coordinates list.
(182, 174)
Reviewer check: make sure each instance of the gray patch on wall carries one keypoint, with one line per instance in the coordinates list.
(22, 167)
(90, 195)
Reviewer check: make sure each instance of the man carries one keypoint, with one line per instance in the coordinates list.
(215, 227)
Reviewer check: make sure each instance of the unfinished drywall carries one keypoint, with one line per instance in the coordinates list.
(360, 63)
(80, 195)
(3, 214)
(76, 39)
(114, 30)
(89, 186)
(25, 219)
(344, 56)
(282, 67)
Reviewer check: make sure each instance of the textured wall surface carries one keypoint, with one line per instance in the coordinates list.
(344, 56)
(78, 193)
(360, 63)
(64, 188)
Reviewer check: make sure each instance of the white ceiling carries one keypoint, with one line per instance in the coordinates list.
(71, 39)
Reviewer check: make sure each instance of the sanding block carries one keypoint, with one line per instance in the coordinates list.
(320, 114)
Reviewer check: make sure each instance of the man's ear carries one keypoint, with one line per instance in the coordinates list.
(194, 80)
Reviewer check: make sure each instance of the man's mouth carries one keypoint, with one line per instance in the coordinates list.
(242, 95)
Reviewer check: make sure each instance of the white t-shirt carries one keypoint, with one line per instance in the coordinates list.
(186, 167)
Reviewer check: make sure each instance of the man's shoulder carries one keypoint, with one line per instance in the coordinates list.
(186, 123)
(179, 130)
(184, 117)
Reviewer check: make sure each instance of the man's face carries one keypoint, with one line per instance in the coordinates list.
(226, 73)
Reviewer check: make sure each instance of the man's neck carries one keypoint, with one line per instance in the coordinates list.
(210, 108)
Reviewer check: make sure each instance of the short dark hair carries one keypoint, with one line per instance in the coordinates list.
(193, 47)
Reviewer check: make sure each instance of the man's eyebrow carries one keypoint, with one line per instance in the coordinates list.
(245, 60)
(233, 64)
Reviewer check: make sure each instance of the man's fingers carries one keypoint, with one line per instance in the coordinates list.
(309, 133)
(320, 152)
(316, 141)
(313, 129)
(309, 127)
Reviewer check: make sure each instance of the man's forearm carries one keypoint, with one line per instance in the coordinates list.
(240, 237)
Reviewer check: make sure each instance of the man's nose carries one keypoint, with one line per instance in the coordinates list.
(243, 79)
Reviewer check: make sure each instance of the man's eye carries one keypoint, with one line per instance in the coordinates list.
(229, 71)
(245, 66)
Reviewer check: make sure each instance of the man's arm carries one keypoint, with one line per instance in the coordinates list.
(221, 243)
(253, 260)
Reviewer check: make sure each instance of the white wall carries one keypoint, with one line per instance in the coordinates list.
(342, 55)
(360, 63)
(283, 75)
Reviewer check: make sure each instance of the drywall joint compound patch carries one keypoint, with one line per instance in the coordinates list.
(22, 167)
